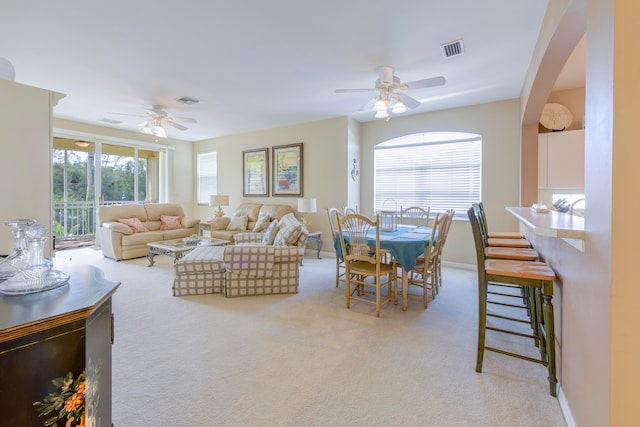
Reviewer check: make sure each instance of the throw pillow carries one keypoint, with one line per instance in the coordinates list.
(134, 224)
(169, 222)
(270, 233)
(263, 222)
(289, 232)
(238, 223)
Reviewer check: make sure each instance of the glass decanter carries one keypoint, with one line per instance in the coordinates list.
(18, 257)
(38, 268)
(33, 272)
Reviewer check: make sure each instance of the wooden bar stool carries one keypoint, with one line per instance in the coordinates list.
(534, 276)
(521, 254)
(499, 238)
(497, 234)
(512, 253)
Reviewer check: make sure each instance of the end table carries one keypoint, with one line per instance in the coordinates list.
(316, 236)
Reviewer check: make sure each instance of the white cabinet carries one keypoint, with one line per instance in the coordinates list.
(561, 159)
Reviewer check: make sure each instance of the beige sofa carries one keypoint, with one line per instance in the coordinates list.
(118, 241)
(252, 211)
(238, 270)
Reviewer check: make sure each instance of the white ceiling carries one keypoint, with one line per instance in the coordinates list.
(258, 64)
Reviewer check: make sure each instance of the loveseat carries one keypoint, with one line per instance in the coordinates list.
(238, 270)
(248, 217)
(125, 230)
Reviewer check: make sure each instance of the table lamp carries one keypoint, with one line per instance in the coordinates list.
(306, 206)
(219, 201)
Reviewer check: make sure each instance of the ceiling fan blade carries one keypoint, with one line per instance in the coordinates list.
(184, 119)
(354, 90)
(173, 124)
(385, 74)
(419, 84)
(409, 101)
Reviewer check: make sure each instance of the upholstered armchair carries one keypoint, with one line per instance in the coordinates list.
(286, 232)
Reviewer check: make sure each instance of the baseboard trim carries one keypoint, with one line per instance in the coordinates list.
(459, 265)
(565, 409)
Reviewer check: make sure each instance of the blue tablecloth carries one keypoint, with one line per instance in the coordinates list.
(405, 244)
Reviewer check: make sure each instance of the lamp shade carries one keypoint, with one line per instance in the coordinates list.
(218, 200)
(307, 205)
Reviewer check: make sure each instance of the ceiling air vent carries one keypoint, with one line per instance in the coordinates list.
(452, 49)
(187, 100)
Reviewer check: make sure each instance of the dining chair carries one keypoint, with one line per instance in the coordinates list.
(363, 261)
(534, 276)
(347, 210)
(424, 274)
(334, 214)
(415, 215)
(450, 213)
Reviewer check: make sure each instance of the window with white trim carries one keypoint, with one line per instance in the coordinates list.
(440, 170)
(207, 176)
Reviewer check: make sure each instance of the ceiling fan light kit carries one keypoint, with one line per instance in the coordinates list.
(154, 128)
(391, 98)
(156, 117)
(399, 107)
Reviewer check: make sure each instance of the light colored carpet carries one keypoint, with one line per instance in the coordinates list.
(305, 360)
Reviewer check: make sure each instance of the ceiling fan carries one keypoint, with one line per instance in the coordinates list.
(390, 92)
(156, 117)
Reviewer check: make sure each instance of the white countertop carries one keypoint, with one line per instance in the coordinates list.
(552, 224)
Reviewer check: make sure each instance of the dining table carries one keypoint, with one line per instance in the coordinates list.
(406, 243)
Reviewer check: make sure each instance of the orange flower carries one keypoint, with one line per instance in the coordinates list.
(73, 402)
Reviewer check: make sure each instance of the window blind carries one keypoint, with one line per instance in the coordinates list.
(207, 176)
(437, 170)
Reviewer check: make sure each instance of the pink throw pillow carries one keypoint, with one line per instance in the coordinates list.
(170, 222)
(134, 224)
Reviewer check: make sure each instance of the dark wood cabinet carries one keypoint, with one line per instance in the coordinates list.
(43, 337)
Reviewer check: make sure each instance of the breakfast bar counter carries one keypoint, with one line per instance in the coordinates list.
(553, 224)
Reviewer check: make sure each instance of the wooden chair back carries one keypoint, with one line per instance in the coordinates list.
(333, 214)
(356, 227)
(415, 215)
(347, 210)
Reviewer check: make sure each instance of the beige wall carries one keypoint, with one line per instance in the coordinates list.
(613, 91)
(326, 149)
(498, 124)
(331, 145)
(353, 153)
(25, 164)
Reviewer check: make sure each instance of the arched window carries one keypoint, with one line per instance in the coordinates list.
(441, 170)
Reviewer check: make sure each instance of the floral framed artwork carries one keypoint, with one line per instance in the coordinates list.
(255, 173)
(287, 170)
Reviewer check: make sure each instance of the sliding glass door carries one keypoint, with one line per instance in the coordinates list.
(89, 174)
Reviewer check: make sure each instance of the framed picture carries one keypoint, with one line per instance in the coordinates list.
(255, 173)
(287, 170)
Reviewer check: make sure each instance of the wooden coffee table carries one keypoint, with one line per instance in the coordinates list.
(177, 248)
